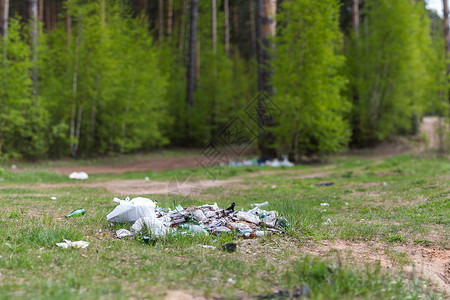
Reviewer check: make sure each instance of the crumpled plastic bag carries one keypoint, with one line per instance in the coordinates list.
(156, 227)
(130, 211)
(252, 218)
(79, 175)
(69, 244)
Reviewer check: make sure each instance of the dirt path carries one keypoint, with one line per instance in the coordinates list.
(427, 263)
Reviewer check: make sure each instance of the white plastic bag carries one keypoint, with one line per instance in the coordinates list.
(130, 211)
(156, 227)
(77, 244)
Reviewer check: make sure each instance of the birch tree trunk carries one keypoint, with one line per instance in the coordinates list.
(214, 26)
(227, 26)
(34, 45)
(192, 54)
(4, 17)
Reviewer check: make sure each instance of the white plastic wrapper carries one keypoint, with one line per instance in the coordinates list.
(156, 227)
(69, 244)
(121, 233)
(242, 215)
(79, 175)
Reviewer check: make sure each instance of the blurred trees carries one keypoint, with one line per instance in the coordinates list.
(105, 76)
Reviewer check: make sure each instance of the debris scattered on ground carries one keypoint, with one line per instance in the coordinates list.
(147, 218)
(76, 213)
(79, 175)
(14, 167)
(208, 247)
(260, 204)
(146, 178)
(284, 294)
(69, 244)
(324, 184)
(53, 198)
(264, 161)
(324, 204)
(229, 247)
(328, 222)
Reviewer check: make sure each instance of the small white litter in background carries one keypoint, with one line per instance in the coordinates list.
(346, 203)
(69, 244)
(53, 198)
(328, 222)
(274, 186)
(146, 178)
(324, 204)
(79, 175)
(13, 167)
(208, 247)
(230, 280)
(260, 204)
(121, 233)
(385, 183)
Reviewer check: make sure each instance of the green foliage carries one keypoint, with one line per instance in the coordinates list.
(392, 70)
(22, 119)
(306, 80)
(104, 79)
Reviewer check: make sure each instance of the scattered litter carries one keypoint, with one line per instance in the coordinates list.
(328, 222)
(284, 294)
(324, 204)
(121, 233)
(79, 175)
(325, 184)
(53, 198)
(260, 204)
(385, 183)
(69, 244)
(208, 247)
(149, 240)
(76, 213)
(13, 167)
(274, 186)
(263, 161)
(230, 280)
(346, 203)
(149, 219)
(146, 178)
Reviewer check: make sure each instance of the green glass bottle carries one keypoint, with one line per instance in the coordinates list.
(76, 213)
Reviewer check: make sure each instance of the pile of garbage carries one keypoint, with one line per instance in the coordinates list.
(264, 161)
(146, 217)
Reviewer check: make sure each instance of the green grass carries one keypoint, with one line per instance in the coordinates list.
(400, 201)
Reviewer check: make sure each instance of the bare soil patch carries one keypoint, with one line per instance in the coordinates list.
(424, 262)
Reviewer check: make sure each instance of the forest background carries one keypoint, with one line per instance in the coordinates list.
(86, 78)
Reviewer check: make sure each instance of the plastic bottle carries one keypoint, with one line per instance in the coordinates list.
(76, 213)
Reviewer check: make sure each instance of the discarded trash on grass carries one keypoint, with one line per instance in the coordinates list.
(324, 184)
(264, 161)
(79, 175)
(76, 213)
(260, 204)
(149, 219)
(69, 244)
(53, 198)
(324, 204)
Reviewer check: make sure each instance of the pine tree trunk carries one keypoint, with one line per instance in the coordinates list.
(214, 26)
(235, 19)
(41, 11)
(74, 89)
(192, 54)
(227, 26)
(4, 19)
(169, 18)
(252, 26)
(266, 26)
(160, 20)
(68, 24)
(182, 27)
